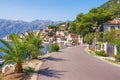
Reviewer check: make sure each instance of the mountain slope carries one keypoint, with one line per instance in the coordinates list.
(11, 26)
(112, 6)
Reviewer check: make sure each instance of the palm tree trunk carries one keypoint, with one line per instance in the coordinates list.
(18, 68)
(34, 57)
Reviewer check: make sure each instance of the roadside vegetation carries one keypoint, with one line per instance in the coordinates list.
(89, 26)
(54, 48)
(19, 51)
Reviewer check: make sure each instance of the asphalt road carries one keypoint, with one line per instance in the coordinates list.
(76, 64)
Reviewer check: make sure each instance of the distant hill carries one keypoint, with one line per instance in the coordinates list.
(12, 26)
(112, 6)
(88, 22)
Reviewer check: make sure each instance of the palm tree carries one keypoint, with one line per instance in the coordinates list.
(35, 44)
(14, 52)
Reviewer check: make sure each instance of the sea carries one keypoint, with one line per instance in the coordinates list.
(44, 50)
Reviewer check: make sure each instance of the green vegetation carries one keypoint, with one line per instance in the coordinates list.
(118, 48)
(101, 53)
(29, 70)
(116, 62)
(54, 48)
(55, 27)
(21, 49)
(92, 52)
(85, 23)
(113, 37)
(112, 7)
(100, 36)
(35, 44)
(99, 45)
(14, 52)
(89, 38)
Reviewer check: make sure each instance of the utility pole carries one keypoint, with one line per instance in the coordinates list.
(95, 37)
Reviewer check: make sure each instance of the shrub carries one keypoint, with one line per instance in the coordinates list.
(92, 49)
(54, 48)
(118, 48)
(117, 57)
(101, 53)
(99, 45)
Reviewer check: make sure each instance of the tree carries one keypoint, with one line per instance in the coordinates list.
(80, 17)
(51, 26)
(72, 27)
(99, 36)
(15, 52)
(113, 37)
(89, 38)
(84, 29)
(35, 44)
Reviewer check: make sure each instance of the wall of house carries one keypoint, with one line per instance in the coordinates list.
(109, 49)
(108, 27)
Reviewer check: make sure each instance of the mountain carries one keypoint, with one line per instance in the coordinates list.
(12, 26)
(112, 6)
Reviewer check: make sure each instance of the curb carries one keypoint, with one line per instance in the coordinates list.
(102, 59)
(34, 76)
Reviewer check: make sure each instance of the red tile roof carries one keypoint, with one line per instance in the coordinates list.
(114, 21)
(75, 37)
(58, 36)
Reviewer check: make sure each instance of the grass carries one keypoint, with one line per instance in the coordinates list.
(112, 61)
(107, 59)
(92, 53)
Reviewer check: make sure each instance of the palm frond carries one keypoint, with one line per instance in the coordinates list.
(5, 51)
(38, 35)
(6, 62)
(15, 39)
(7, 44)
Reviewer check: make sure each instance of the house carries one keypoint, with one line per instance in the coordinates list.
(72, 38)
(113, 24)
(63, 27)
(110, 49)
(61, 34)
(36, 32)
(50, 31)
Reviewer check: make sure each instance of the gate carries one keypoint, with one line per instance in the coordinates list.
(110, 49)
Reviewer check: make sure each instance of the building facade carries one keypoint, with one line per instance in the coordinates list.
(113, 24)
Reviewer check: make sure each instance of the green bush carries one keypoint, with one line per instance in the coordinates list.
(118, 48)
(101, 53)
(54, 48)
(117, 57)
(99, 45)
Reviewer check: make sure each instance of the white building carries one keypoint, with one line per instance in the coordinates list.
(113, 24)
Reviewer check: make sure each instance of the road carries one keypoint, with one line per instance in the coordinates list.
(76, 64)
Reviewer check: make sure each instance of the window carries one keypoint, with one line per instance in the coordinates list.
(112, 27)
(118, 27)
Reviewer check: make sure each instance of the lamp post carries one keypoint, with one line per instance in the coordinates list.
(95, 36)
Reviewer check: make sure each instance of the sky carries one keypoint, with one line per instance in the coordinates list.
(56, 10)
